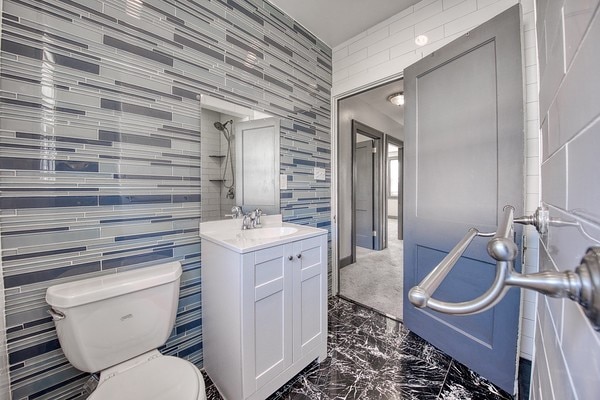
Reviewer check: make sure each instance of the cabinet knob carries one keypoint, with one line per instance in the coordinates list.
(299, 256)
(290, 258)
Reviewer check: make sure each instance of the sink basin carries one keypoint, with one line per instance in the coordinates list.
(273, 232)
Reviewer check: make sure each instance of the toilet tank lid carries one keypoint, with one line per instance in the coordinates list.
(72, 294)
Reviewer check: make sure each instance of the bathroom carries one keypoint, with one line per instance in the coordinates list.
(83, 78)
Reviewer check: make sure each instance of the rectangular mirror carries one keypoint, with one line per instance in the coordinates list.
(257, 164)
(219, 160)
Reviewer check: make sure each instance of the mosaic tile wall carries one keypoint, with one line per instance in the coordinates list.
(100, 151)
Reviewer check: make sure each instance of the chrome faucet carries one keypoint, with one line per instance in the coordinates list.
(249, 221)
(258, 212)
(236, 212)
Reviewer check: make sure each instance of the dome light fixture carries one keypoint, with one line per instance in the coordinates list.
(396, 99)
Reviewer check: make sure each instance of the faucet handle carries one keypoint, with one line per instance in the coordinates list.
(236, 212)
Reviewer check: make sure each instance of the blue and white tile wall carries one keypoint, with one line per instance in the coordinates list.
(100, 148)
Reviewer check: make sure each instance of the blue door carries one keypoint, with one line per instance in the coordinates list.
(463, 162)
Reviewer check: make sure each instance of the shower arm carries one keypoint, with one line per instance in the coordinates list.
(581, 285)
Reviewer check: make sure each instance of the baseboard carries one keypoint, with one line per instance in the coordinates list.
(345, 261)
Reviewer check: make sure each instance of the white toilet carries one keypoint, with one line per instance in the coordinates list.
(115, 323)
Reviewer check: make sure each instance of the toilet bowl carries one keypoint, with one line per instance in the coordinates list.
(155, 377)
(114, 324)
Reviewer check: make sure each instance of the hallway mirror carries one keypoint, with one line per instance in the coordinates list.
(370, 224)
(220, 173)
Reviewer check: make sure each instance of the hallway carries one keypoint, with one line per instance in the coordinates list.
(375, 280)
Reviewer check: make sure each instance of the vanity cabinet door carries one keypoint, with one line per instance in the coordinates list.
(310, 295)
(267, 315)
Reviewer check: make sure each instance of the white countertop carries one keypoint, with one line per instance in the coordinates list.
(229, 233)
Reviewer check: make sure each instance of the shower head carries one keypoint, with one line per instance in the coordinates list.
(221, 127)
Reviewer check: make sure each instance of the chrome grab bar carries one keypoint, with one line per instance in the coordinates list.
(581, 285)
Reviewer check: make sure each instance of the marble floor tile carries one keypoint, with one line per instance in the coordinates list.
(464, 384)
(373, 357)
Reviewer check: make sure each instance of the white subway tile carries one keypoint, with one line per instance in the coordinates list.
(397, 64)
(531, 93)
(554, 178)
(581, 346)
(350, 41)
(532, 166)
(532, 111)
(528, 21)
(531, 74)
(424, 3)
(369, 62)
(340, 53)
(392, 40)
(541, 362)
(559, 372)
(531, 56)
(403, 48)
(532, 184)
(446, 16)
(583, 167)
(527, 348)
(417, 16)
(369, 40)
(485, 3)
(451, 3)
(350, 60)
(340, 75)
(533, 130)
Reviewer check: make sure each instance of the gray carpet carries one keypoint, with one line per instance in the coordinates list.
(375, 280)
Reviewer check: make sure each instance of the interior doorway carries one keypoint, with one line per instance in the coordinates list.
(367, 188)
(370, 225)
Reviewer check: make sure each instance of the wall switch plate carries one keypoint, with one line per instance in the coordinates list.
(282, 182)
(319, 174)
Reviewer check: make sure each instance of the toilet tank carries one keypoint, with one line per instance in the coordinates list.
(112, 318)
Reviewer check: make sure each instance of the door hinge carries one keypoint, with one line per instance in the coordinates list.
(374, 150)
(374, 233)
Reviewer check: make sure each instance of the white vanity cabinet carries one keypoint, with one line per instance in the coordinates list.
(264, 313)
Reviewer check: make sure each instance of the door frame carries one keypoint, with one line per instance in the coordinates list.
(378, 184)
(400, 144)
(335, 132)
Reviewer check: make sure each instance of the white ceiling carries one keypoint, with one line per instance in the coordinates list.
(335, 21)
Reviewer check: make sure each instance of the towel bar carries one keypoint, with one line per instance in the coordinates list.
(581, 285)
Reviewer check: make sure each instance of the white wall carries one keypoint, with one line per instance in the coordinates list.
(388, 47)
(567, 356)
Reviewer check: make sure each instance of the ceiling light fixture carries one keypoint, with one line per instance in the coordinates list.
(396, 99)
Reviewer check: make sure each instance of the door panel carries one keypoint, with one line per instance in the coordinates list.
(457, 149)
(309, 298)
(464, 162)
(272, 322)
(364, 194)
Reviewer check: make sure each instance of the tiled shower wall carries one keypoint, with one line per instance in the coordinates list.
(100, 148)
(567, 347)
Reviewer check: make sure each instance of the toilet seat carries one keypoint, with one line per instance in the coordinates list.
(161, 378)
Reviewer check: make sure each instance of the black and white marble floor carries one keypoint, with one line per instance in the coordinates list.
(374, 357)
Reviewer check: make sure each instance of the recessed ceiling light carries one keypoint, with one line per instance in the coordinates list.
(396, 99)
(421, 40)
